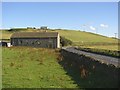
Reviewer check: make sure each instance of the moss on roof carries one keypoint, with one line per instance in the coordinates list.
(34, 34)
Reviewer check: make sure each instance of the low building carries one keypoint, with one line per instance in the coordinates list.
(36, 39)
(43, 27)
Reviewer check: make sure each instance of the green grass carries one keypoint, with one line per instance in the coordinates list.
(112, 53)
(83, 37)
(25, 67)
(0, 68)
(90, 40)
(75, 36)
(79, 38)
(106, 47)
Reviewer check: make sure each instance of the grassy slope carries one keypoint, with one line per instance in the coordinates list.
(83, 38)
(75, 36)
(5, 34)
(33, 68)
(78, 37)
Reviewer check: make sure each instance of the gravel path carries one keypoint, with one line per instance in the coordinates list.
(101, 58)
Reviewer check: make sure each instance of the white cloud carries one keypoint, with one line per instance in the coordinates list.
(104, 25)
(92, 28)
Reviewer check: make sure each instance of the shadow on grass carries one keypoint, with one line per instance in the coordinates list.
(89, 74)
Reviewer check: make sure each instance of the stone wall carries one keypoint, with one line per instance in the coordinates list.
(35, 42)
(88, 72)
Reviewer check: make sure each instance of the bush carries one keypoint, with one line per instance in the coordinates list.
(64, 41)
(17, 29)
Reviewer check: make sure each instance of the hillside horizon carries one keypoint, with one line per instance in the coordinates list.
(26, 28)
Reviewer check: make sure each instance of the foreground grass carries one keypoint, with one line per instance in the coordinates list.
(25, 67)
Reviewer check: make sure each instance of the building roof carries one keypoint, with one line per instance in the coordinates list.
(34, 34)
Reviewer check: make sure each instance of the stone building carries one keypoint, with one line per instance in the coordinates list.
(36, 39)
(43, 27)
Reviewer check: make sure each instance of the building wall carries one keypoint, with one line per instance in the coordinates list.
(35, 42)
(58, 41)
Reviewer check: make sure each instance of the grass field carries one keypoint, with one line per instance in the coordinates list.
(77, 37)
(25, 67)
(107, 47)
(80, 36)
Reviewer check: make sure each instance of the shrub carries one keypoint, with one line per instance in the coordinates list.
(17, 29)
(64, 41)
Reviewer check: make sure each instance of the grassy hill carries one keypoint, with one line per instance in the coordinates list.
(79, 38)
(25, 67)
(75, 36)
(90, 40)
